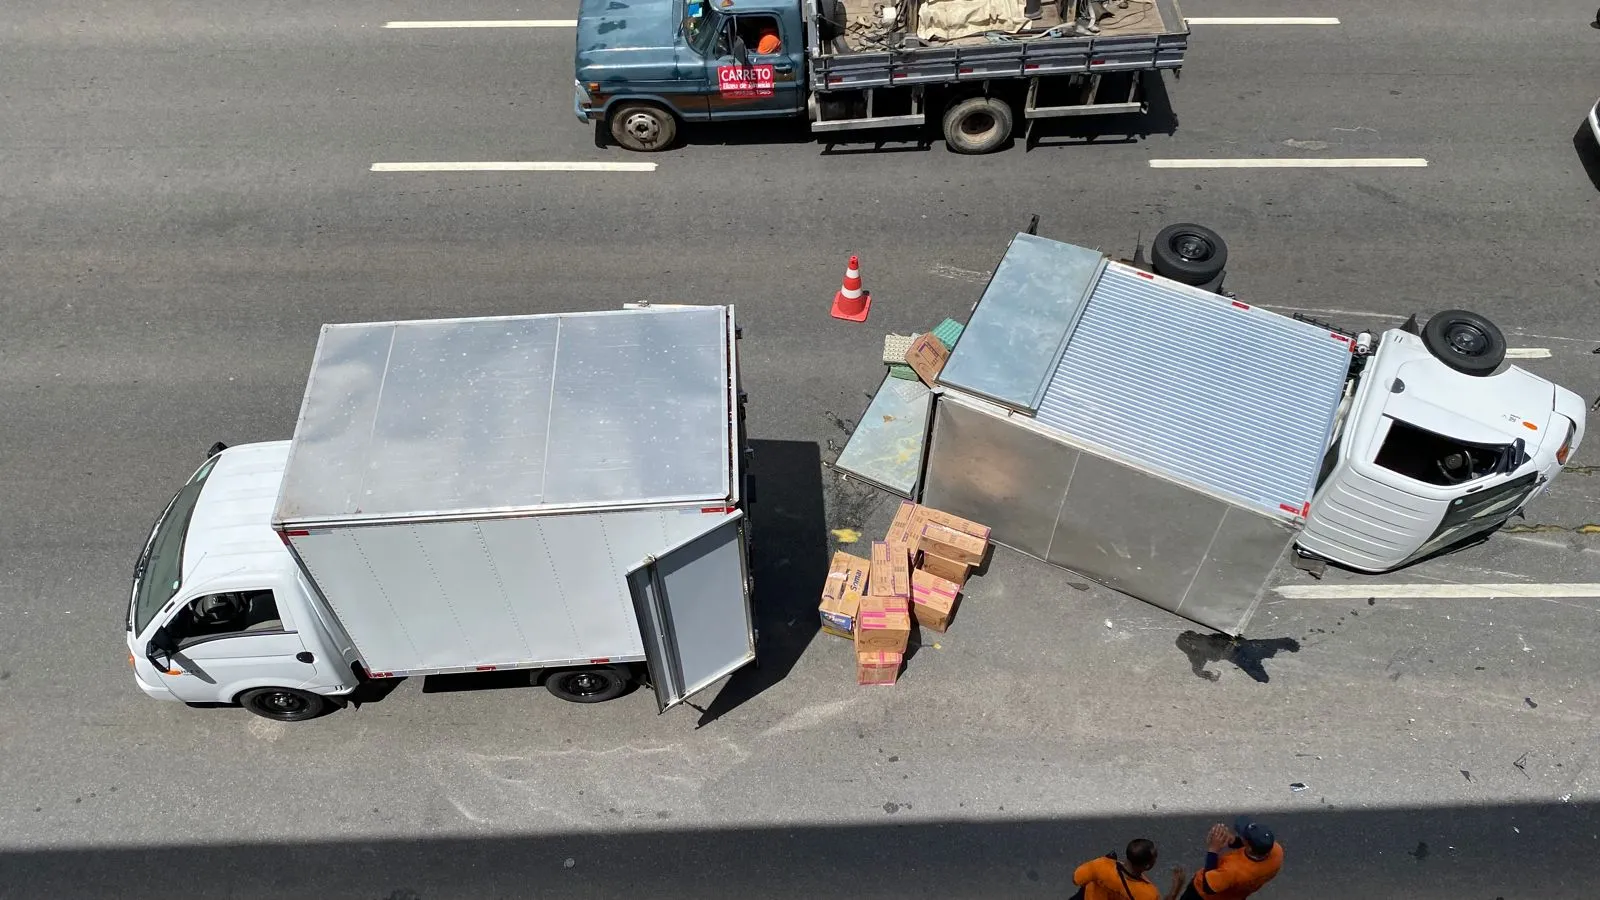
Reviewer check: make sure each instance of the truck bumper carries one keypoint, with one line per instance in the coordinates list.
(580, 104)
(156, 691)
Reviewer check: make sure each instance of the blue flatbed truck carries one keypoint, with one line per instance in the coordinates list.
(644, 67)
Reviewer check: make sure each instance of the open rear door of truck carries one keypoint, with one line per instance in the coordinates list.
(693, 604)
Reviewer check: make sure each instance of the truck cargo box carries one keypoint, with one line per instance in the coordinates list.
(1161, 439)
(527, 491)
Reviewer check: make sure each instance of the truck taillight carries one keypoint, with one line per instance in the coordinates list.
(1566, 446)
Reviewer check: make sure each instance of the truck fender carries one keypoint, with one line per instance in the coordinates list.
(653, 99)
(234, 689)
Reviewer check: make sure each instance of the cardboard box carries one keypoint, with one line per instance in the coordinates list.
(883, 624)
(841, 594)
(948, 543)
(933, 600)
(947, 569)
(911, 518)
(926, 356)
(891, 570)
(878, 667)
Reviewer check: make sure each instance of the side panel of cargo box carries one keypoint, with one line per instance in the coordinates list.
(520, 592)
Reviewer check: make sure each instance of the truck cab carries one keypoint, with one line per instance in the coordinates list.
(220, 613)
(644, 66)
(1430, 456)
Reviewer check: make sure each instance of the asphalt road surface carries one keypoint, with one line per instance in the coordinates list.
(188, 196)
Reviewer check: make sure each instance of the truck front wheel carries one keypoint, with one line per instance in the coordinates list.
(593, 685)
(284, 704)
(1465, 341)
(977, 125)
(643, 128)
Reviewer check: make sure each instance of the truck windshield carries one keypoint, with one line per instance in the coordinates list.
(159, 571)
(1439, 460)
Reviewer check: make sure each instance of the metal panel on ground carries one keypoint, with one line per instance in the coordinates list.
(1010, 347)
(887, 445)
(693, 609)
(1236, 400)
(512, 413)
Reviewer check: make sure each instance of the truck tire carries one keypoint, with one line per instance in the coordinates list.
(643, 127)
(1187, 253)
(977, 125)
(1465, 341)
(284, 704)
(589, 685)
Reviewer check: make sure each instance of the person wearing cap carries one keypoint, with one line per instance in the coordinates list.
(769, 42)
(1108, 879)
(1239, 861)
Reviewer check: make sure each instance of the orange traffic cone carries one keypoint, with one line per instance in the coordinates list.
(851, 303)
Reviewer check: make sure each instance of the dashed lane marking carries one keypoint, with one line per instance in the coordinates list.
(514, 167)
(1292, 163)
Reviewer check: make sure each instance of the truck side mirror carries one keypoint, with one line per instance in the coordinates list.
(162, 644)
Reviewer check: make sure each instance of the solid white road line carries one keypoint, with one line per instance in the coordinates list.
(488, 23)
(514, 167)
(1290, 163)
(1528, 353)
(1434, 591)
(1261, 20)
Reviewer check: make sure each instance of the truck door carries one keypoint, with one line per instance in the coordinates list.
(693, 605)
(223, 643)
(766, 81)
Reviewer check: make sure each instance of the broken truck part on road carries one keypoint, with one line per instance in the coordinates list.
(1139, 425)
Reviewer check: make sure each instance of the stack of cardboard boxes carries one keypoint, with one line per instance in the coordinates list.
(917, 572)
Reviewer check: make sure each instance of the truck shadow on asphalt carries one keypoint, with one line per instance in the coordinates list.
(1080, 131)
(789, 562)
(1475, 850)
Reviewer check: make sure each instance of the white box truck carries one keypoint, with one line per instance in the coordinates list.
(1138, 425)
(558, 493)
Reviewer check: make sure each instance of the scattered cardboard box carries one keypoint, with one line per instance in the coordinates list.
(891, 570)
(948, 543)
(929, 515)
(911, 518)
(926, 356)
(947, 569)
(933, 600)
(883, 623)
(841, 594)
(878, 667)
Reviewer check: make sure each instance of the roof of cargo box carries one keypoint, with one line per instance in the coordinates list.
(456, 417)
(1234, 399)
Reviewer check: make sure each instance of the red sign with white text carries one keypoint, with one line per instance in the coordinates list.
(745, 81)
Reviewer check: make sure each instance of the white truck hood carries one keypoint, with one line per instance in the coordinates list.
(230, 534)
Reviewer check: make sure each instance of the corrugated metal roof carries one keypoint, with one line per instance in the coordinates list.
(536, 412)
(1237, 400)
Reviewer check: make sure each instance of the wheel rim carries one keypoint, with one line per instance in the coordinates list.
(1192, 247)
(1466, 339)
(643, 127)
(585, 684)
(977, 124)
(283, 703)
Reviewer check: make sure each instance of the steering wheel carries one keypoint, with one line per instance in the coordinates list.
(1456, 467)
(220, 609)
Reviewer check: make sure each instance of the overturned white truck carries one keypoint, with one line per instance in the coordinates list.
(1137, 424)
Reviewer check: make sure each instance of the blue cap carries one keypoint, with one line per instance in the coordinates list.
(1255, 835)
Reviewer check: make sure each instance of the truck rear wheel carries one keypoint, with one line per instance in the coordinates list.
(643, 128)
(284, 704)
(1465, 341)
(1190, 254)
(977, 125)
(591, 685)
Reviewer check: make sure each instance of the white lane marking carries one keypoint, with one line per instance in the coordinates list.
(1434, 591)
(514, 167)
(1298, 163)
(1262, 20)
(1528, 353)
(488, 23)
